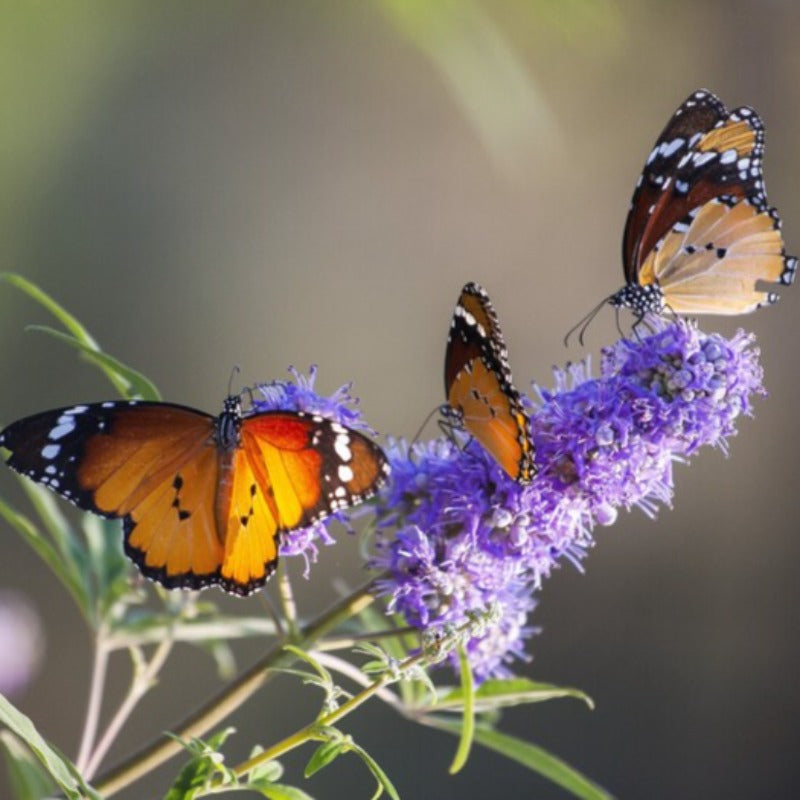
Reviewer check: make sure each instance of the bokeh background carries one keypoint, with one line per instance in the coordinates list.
(272, 183)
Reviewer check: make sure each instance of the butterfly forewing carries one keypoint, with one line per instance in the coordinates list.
(479, 387)
(697, 114)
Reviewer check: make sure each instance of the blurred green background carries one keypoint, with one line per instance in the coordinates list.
(273, 183)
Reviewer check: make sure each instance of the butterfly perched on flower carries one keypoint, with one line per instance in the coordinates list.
(203, 499)
(700, 236)
(477, 382)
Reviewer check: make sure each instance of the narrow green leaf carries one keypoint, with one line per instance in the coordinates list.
(26, 775)
(59, 769)
(323, 673)
(533, 757)
(380, 776)
(44, 299)
(130, 383)
(502, 693)
(468, 719)
(62, 569)
(280, 791)
(326, 753)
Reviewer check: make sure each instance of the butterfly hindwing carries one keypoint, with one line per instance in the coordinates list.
(479, 387)
(203, 500)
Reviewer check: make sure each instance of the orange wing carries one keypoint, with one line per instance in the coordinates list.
(291, 470)
(479, 386)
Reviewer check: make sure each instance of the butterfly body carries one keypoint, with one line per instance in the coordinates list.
(480, 392)
(203, 499)
(700, 237)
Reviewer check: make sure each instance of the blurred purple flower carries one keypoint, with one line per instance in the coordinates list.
(299, 395)
(21, 643)
(457, 536)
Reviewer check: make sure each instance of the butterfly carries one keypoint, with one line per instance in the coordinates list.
(203, 500)
(480, 393)
(700, 236)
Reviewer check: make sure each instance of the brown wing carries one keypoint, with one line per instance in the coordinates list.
(711, 153)
(479, 387)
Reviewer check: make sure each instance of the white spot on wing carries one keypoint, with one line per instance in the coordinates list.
(50, 451)
(345, 473)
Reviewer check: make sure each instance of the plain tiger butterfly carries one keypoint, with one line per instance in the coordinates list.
(479, 389)
(700, 237)
(203, 500)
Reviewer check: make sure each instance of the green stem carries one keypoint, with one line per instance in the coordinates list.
(312, 732)
(225, 703)
(287, 602)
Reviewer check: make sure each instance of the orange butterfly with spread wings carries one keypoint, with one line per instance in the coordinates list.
(700, 237)
(479, 388)
(203, 499)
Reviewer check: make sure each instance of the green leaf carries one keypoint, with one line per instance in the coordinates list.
(130, 383)
(63, 568)
(533, 757)
(327, 752)
(503, 693)
(380, 776)
(468, 720)
(57, 767)
(26, 775)
(206, 763)
(280, 791)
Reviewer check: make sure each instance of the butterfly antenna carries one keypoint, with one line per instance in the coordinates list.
(619, 327)
(234, 372)
(424, 423)
(584, 322)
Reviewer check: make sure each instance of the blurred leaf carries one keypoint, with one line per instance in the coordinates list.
(27, 776)
(127, 381)
(62, 568)
(485, 75)
(107, 563)
(60, 769)
(468, 720)
(532, 757)
(501, 693)
(279, 791)
(130, 383)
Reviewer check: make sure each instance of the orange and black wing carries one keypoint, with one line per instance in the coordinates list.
(699, 226)
(291, 470)
(479, 387)
(154, 465)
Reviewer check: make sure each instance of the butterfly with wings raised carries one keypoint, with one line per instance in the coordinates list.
(700, 237)
(203, 499)
(480, 392)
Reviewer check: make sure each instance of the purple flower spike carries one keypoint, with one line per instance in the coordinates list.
(457, 536)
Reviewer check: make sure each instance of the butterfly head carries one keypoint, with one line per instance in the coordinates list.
(641, 300)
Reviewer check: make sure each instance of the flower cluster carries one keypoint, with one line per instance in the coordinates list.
(457, 536)
(299, 395)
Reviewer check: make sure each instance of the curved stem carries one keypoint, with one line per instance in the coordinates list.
(140, 685)
(225, 703)
(98, 681)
